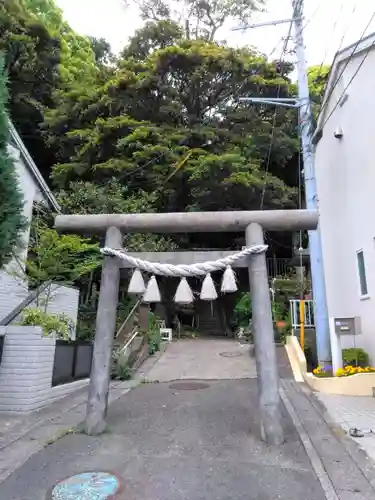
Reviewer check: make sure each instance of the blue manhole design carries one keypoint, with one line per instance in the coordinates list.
(87, 486)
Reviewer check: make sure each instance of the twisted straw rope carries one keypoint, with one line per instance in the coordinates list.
(183, 270)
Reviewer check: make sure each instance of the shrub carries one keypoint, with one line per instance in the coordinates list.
(58, 324)
(154, 341)
(153, 334)
(123, 371)
(242, 311)
(355, 357)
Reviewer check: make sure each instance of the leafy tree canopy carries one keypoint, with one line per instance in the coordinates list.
(159, 128)
(199, 18)
(181, 100)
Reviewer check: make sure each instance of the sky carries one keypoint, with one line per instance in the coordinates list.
(330, 24)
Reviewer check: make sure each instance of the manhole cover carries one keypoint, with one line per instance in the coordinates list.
(87, 486)
(188, 386)
(231, 354)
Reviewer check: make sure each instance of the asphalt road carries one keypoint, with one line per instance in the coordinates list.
(171, 444)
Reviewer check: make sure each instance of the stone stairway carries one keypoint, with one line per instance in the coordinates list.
(209, 322)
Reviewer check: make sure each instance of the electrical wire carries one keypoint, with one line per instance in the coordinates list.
(283, 52)
(350, 81)
(326, 101)
(333, 30)
(230, 96)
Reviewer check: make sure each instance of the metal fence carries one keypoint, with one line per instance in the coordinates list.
(278, 267)
(72, 361)
(295, 314)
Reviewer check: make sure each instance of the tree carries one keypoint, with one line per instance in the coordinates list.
(62, 259)
(45, 61)
(77, 61)
(199, 18)
(317, 77)
(154, 35)
(174, 106)
(12, 222)
(32, 58)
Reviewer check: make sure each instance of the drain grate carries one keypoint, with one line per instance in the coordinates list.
(231, 354)
(87, 486)
(188, 386)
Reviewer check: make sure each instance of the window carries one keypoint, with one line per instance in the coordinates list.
(362, 273)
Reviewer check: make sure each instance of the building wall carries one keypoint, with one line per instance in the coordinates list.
(26, 371)
(346, 194)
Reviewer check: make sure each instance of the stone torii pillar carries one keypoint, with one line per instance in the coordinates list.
(253, 223)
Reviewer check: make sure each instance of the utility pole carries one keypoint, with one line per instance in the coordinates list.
(306, 122)
(315, 244)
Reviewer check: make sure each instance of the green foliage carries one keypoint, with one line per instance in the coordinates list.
(138, 128)
(77, 58)
(242, 311)
(200, 19)
(120, 362)
(317, 77)
(52, 324)
(12, 222)
(124, 371)
(59, 258)
(355, 357)
(153, 334)
(158, 129)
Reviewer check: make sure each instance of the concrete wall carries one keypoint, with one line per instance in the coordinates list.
(345, 181)
(26, 371)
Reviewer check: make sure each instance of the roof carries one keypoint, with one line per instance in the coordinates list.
(33, 168)
(343, 55)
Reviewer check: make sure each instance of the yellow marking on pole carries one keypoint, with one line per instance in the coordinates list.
(302, 323)
(179, 165)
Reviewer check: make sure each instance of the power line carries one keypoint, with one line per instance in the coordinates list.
(344, 68)
(283, 53)
(350, 81)
(333, 30)
(285, 45)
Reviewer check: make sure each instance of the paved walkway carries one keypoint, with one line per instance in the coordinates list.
(351, 412)
(168, 443)
(204, 359)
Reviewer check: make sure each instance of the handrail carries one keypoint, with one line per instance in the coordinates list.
(136, 332)
(128, 318)
(30, 298)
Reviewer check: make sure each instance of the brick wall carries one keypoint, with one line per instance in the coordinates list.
(26, 370)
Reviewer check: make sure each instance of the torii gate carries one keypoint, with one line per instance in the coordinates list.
(253, 223)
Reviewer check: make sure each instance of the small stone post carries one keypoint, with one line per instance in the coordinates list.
(105, 330)
(265, 348)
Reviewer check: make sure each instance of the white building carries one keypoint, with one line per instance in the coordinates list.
(35, 190)
(345, 170)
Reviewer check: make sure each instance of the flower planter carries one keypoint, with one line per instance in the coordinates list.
(360, 384)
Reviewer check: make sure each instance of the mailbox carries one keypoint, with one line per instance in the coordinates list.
(347, 326)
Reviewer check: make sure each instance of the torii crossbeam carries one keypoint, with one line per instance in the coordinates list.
(253, 223)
